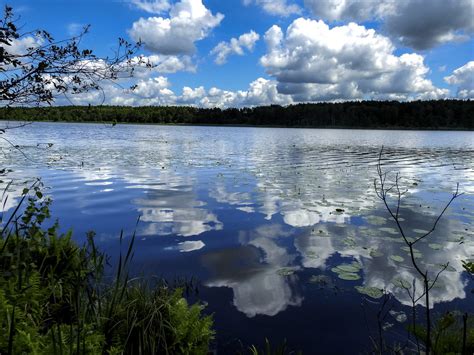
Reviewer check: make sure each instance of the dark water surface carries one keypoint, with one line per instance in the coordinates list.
(251, 213)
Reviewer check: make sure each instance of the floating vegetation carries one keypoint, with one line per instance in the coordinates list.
(397, 258)
(407, 249)
(402, 283)
(349, 242)
(311, 255)
(459, 240)
(435, 246)
(348, 276)
(400, 317)
(416, 253)
(376, 220)
(420, 231)
(348, 268)
(348, 271)
(389, 230)
(375, 253)
(286, 271)
(373, 292)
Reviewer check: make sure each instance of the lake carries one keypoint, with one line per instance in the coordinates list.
(267, 219)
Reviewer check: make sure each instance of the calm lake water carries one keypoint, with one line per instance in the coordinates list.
(264, 217)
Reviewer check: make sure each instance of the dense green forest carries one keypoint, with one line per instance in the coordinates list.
(440, 114)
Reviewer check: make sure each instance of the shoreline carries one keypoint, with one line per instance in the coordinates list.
(391, 128)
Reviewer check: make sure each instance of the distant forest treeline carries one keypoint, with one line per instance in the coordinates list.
(440, 114)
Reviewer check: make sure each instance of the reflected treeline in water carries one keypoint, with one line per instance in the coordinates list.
(271, 215)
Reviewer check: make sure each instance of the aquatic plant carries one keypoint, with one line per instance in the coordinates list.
(268, 349)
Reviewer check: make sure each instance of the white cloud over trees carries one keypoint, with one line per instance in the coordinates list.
(313, 62)
(463, 79)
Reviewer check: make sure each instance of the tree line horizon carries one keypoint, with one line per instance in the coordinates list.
(434, 114)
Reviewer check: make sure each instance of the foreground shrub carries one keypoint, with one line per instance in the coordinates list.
(54, 298)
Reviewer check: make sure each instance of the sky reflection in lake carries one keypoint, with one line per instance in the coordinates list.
(259, 214)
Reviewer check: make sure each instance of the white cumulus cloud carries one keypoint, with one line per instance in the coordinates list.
(276, 7)
(420, 24)
(157, 91)
(145, 66)
(152, 6)
(235, 46)
(463, 78)
(313, 62)
(189, 21)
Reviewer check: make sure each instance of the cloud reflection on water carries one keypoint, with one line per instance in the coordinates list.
(251, 270)
(285, 184)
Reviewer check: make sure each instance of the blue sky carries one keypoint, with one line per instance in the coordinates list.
(330, 50)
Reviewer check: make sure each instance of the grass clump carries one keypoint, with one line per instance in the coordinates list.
(54, 297)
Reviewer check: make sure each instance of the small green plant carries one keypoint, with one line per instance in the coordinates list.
(453, 333)
(268, 349)
(468, 266)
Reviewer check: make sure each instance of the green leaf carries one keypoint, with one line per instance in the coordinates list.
(286, 271)
(348, 276)
(435, 246)
(373, 292)
(347, 268)
(397, 258)
(400, 317)
(402, 283)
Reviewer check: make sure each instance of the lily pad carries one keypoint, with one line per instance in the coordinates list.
(397, 258)
(389, 230)
(435, 246)
(420, 231)
(373, 292)
(286, 271)
(402, 283)
(348, 268)
(311, 255)
(376, 220)
(375, 253)
(399, 316)
(348, 276)
(350, 242)
(407, 249)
